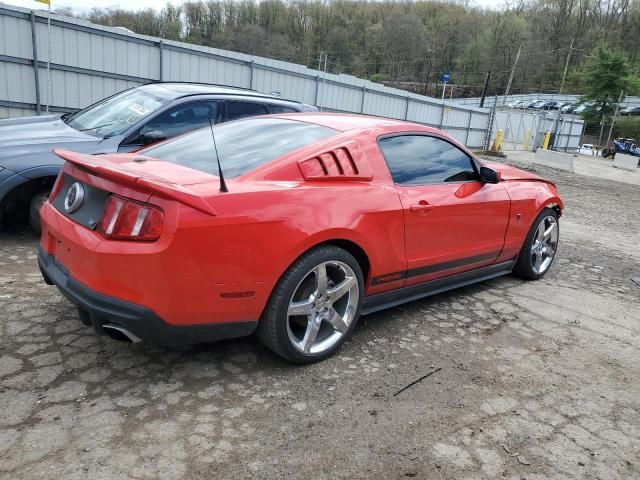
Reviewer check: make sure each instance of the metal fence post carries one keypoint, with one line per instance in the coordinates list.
(566, 149)
(406, 108)
(251, 73)
(492, 117)
(535, 135)
(317, 102)
(466, 135)
(161, 62)
(364, 94)
(441, 116)
(36, 73)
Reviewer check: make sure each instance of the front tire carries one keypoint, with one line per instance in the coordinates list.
(34, 210)
(314, 307)
(540, 247)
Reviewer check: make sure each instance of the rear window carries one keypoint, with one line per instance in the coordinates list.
(242, 146)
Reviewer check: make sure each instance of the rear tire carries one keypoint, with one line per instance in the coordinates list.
(34, 210)
(540, 246)
(314, 306)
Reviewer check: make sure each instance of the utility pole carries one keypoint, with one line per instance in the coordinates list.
(486, 87)
(566, 66)
(614, 116)
(601, 130)
(426, 80)
(506, 92)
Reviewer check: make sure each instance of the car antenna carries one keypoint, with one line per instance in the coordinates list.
(223, 184)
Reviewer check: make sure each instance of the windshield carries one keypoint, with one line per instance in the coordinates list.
(242, 145)
(115, 115)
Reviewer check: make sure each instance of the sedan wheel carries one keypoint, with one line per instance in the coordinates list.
(540, 246)
(34, 210)
(314, 306)
(545, 244)
(322, 307)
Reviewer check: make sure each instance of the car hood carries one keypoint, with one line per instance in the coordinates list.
(510, 174)
(32, 135)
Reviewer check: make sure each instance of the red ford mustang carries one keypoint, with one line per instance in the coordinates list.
(322, 218)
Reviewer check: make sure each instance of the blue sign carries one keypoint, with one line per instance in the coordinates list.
(445, 77)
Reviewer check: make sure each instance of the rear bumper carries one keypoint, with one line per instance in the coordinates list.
(99, 310)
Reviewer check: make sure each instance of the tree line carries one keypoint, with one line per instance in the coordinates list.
(407, 43)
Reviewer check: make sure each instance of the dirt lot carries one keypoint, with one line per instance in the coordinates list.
(537, 380)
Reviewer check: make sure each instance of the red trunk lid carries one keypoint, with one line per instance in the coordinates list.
(165, 179)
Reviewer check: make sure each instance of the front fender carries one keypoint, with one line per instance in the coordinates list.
(528, 199)
(14, 180)
(8, 181)
(41, 171)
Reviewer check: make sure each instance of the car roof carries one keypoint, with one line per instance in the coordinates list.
(345, 121)
(173, 90)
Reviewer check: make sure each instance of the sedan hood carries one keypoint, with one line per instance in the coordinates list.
(510, 174)
(32, 135)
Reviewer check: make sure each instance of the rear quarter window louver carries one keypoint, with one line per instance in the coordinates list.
(343, 163)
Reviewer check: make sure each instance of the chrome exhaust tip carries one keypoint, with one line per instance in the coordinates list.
(118, 332)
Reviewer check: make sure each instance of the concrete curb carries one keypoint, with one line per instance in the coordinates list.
(557, 160)
(626, 162)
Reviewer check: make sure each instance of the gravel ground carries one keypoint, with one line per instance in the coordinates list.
(537, 379)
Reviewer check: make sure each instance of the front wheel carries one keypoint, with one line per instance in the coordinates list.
(314, 307)
(34, 210)
(540, 247)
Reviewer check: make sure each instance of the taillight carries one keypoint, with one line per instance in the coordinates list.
(125, 219)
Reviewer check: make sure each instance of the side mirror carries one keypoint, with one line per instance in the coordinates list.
(488, 175)
(154, 136)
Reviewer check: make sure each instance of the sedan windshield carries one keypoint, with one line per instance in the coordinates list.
(242, 145)
(116, 114)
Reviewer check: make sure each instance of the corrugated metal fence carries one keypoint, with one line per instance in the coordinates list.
(90, 62)
(526, 130)
(530, 97)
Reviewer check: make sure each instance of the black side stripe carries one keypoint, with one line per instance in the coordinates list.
(437, 267)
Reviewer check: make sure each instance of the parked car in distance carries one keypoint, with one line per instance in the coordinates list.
(517, 104)
(543, 105)
(321, 218)
(568, 108)
(121, 123)
(589, 149)
(584, 107)
(634, 110)
(533, 104)
(580, 109)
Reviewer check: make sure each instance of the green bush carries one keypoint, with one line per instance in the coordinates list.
(627, 127)
(376, 77)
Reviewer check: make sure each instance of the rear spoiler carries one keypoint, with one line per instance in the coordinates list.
(159, 187)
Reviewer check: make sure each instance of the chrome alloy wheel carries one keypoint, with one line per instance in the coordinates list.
(322, 307)
(545, 244)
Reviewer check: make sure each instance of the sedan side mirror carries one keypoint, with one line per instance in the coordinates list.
(488, 175)
(154, 136)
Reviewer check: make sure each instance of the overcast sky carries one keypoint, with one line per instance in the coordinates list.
(84, 5)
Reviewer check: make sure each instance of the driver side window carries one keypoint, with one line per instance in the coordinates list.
(423, 160)
(181, 119)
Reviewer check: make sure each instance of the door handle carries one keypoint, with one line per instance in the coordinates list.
(421, 206)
